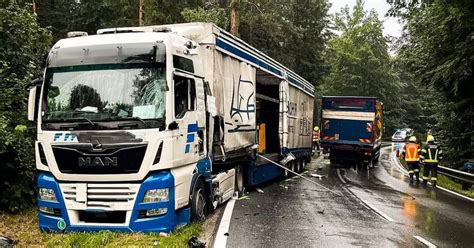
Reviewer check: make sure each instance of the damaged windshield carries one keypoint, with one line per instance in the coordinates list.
(106, 93)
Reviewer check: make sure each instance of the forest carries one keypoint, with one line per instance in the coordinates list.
(424, 77)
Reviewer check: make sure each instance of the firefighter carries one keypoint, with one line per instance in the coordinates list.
(316, 139)
(430, 155)
(411, 155)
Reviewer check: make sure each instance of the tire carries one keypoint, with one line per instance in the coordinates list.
(300, 166)
(239, 180)
(199, 202)
(303, 164)
(287, 174)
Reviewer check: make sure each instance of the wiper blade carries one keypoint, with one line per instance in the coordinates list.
(76, 119)
(134, 118)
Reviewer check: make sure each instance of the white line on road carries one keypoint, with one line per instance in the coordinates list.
(424, 241)
(404, 171)
(340, 177)
(223, 231)
(373, 208)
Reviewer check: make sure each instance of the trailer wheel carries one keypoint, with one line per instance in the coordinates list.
(239, 180)
(198, 202)
(300, 166)
(286, 174)
(294, 167)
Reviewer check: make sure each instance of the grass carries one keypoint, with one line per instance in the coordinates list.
(23, 228)
(446, 182)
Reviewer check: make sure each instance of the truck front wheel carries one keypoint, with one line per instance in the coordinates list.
(198, 202)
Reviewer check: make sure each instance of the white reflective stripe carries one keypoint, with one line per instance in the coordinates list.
(349, 115)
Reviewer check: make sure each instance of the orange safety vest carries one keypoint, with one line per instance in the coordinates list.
(411, 152)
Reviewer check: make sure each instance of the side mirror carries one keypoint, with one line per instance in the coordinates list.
(33, 99)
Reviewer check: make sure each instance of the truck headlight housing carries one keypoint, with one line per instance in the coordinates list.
(47, 194)
(156, 195)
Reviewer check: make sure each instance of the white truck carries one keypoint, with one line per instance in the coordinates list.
(147, 128)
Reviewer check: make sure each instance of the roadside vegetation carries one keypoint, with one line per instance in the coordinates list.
(445, 182)
(23, 228)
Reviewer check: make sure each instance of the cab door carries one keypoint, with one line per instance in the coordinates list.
(189, 112)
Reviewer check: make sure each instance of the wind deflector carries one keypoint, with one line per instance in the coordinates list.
(105, 54)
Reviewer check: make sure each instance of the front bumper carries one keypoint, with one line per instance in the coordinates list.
(68, 209)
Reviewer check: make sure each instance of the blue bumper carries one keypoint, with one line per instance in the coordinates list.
(61, 221)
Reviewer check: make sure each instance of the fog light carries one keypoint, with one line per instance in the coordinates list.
(46, 194)
(156, 195)
(46, 210)
(156, 211)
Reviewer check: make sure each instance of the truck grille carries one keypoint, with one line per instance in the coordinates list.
(102, 196)
(82, 159)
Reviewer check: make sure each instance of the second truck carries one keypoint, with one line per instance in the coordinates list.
(351, 130)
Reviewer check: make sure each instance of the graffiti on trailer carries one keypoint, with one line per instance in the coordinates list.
(243, 106)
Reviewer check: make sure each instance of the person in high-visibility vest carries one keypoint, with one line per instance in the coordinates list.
(316, 138)
(410, 153)
(431, 154)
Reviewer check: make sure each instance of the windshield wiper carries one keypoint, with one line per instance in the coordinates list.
(72, 125)
(133, 118)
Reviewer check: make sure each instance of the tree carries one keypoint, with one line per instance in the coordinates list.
(22, 45)
(438, 48)
(359, 61)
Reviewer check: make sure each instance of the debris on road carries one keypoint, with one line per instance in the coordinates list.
(317, 176)
(259, 190)
(245, 197)
(194, 242)
(302, 194)
(284, 186)
(321, 211)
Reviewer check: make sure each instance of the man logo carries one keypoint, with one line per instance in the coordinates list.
(97, 161)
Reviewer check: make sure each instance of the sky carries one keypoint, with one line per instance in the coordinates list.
(391, 26)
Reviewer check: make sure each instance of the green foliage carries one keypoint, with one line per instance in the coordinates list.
(23, 228)
(215, 15)
(438, 50)
(167, 11)
(359, 61)
(22, 45)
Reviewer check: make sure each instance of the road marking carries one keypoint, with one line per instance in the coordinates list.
(223, 231)
(340, 177)
(454, 193)
(424, 241)
(404, 171)
(373, 208)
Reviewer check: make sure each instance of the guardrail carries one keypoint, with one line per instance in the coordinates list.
(467, 179)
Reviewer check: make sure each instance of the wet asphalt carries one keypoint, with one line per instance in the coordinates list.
(378, 209)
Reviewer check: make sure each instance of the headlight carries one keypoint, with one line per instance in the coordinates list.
(156, 195)
(46, 194)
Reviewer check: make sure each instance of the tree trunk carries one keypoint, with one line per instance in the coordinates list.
(234, 29)
(140, 14)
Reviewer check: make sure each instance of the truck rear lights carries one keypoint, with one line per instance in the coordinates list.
(156, 195)
(46, 194)
(50, 211)
(369, 127)
(158, 154)
(42, 155)
(152, 212)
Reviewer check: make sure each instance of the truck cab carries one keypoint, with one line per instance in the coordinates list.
(116, 109)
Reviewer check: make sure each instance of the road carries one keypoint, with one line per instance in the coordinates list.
(376, 210)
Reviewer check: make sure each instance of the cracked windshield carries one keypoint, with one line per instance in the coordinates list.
(105, 92)
(237, 123)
